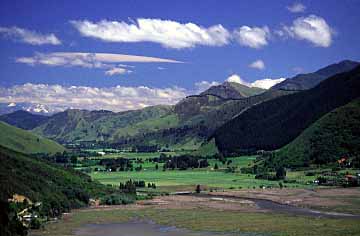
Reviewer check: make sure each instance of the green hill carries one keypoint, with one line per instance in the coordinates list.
(335, 135)
(25, 141)
(58, 189)
(81, 125)
(273, 124)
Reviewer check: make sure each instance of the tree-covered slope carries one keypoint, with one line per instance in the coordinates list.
(25, 141)
(333, 136)
(310, 80)
(273, 124)
(56, 188)
(23, 119)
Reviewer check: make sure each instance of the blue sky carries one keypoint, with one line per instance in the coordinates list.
(279, 39)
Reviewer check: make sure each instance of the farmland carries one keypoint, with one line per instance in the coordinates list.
(217, 176)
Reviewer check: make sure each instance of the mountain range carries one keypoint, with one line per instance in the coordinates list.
(239, 117)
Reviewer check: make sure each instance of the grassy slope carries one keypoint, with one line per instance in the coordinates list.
(25, 141)
(80, 125)
(334, 135)
(207, 149)
(149, 125)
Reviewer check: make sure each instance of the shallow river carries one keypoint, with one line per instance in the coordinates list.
(138, 229)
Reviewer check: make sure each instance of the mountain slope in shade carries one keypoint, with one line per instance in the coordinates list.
(335, 135)
(26, 142)
(308, 81)
(273, 124)
(231, 90)
(23, 119)
(58, 189)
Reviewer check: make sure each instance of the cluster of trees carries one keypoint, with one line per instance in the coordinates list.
(130, 186)
(114, 164)
(184, 162)
(66, 157)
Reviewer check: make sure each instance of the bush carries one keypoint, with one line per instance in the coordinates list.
(117, 199)
(35, 223)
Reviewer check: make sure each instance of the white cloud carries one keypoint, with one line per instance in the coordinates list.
(311, 28)
(119, 98)
(263, 83)
(117, 71)
(266, 83)
(258, 64)
(90, 60)
(170, 34)
(28, 36)
(253, 37)
(296, 7)
(204, 85)
(236, 79)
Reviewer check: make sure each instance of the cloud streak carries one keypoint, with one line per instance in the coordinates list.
(28, 36)
(118, 98)
(168, 33)
(296, 7)
(106, 61)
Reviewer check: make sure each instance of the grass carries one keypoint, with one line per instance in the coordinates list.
(204, 219)
(26, 142)
(171, 180)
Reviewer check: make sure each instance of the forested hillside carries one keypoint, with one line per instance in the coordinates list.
(55, 188)
(273, 124)
(334, 136)
(23, 119)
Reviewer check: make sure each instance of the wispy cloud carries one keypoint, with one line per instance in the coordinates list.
(263, 83)
(117, 71)
(254, 37)
(168, 33)
(204, 85)
(296, 7)
(118, 98)
(90, 60)
(312, 28)
(28, 36)
(258, 64)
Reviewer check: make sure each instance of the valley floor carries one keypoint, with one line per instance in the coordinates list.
(231, 212)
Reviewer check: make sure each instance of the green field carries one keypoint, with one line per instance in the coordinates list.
(176, 180)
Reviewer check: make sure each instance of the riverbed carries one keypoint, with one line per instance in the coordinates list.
(139, 229)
